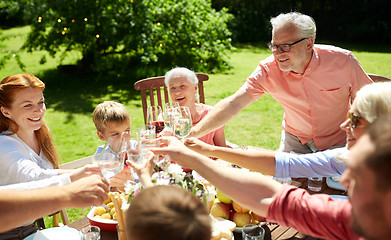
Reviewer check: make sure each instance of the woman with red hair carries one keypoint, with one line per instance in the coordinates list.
(27, 152)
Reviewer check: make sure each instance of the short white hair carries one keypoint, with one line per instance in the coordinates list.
(304, 23)
(180, 72)
(374, 100)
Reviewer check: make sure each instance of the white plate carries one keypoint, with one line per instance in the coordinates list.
(333, 184)
(57, 233)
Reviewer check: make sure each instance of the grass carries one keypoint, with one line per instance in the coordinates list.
(71, 96)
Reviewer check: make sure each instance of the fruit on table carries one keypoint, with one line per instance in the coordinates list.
(220, 209)
(241, 219)
(239, 208)
(257, 217)
(222, 198)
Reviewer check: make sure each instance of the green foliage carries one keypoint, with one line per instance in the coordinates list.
(11, 13)
(344, 20)
(116, 34)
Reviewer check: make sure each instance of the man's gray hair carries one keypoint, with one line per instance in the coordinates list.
(304, 23)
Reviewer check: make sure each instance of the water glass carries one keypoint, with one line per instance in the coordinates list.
(253, 232)
(315, 184)
(146, 133)
(108, 164)
(169, 114)
(182, 122)
(153, 113)
(90, 233)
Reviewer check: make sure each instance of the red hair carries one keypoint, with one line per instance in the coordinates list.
(9, 87)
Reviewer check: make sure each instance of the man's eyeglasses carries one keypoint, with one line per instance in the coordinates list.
(353, 119)
(282, 47)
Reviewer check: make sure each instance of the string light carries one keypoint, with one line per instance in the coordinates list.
(63, 33)
(201, 61)
(59, 20)
(97, 36)
(198, 43)
(65, 28)
(73, 20)
(158, 24)
(39, 19)
(131, 1)
(85, 19)
(161, 45)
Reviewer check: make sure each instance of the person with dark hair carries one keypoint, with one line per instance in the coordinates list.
(167, 213)
(366, 215)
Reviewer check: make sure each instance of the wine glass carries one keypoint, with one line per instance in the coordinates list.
(154, 114)
(182, 122)
(112, 157)
(137, 153)
(146, 134)
(169, 114)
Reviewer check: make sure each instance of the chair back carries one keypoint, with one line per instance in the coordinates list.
(151, 88)
(378, 78)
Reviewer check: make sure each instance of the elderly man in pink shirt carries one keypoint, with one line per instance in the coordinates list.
(314, 83)
(366, 215)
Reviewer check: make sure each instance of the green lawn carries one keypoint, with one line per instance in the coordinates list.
(72, 96)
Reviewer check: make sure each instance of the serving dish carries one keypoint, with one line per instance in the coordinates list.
(104, 224)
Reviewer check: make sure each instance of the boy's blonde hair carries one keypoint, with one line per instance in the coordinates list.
(109, 112)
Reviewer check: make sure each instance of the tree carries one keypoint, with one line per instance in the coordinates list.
(115, 33)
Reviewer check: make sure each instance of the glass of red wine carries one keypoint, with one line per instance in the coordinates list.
(155, 118)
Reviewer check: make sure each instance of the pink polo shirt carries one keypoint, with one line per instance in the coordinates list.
(315, 102)
(315, 215)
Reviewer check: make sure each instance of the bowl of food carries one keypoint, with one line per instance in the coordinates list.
(99, 216)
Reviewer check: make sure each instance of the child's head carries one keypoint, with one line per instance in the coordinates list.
(167, 212)
(111, 119)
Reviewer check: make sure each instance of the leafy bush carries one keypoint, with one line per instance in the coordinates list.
(345, 20)
(115, 34)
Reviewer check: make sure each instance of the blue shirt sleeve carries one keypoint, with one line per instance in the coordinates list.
(328, 163)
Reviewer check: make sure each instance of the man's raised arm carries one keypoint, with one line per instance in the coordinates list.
(221, 113)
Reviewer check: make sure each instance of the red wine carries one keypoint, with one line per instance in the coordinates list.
(159, 126)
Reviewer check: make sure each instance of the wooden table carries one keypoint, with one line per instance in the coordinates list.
(277, 232)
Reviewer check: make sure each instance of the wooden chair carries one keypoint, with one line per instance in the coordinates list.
(378, 78)
(149, 86)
